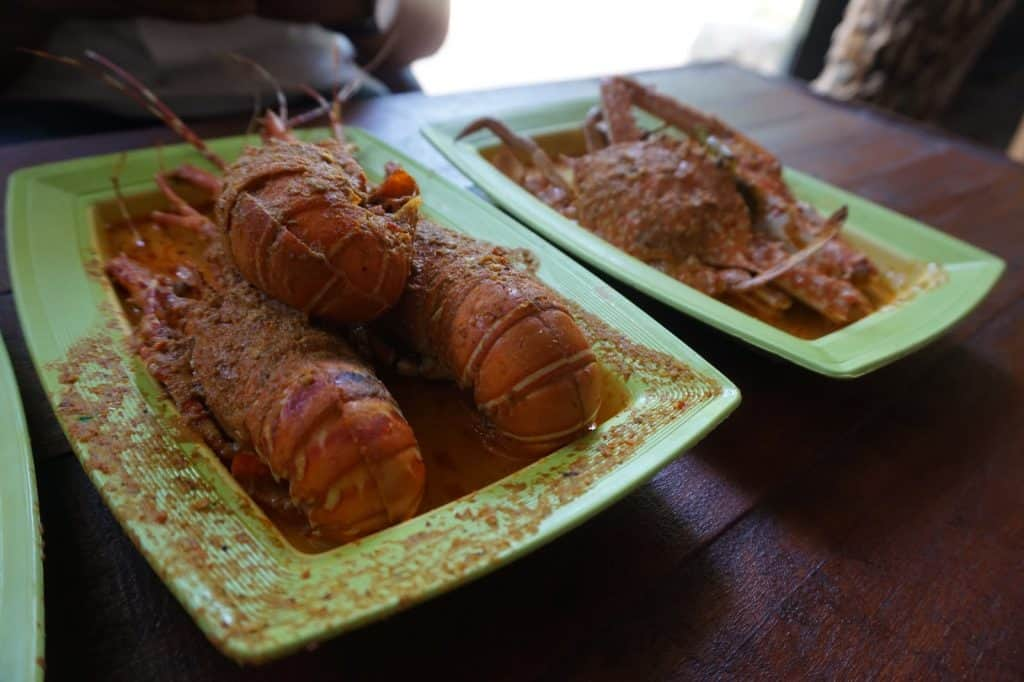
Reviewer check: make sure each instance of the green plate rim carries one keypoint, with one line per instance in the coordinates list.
(848, 353)
(22, 628)
(676, 436)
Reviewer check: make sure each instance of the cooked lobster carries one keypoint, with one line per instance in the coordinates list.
(710, 209)
(251, 374)
(501, 333)
(301, 220)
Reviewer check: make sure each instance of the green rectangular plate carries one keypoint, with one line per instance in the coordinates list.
(878, 339)
(21, 551)
(250, 592)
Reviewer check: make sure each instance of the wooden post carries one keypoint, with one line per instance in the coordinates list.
(908, 56)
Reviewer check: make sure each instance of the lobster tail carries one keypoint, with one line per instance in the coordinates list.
(502, 334)
(539, 382)
(331, 429)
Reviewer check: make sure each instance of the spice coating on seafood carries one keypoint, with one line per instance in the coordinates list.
(301, 228)
(301, 221)
(501, 333)
(710, 209)
(299, 397)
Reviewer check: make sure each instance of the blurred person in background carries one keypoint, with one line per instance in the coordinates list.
(180, 49)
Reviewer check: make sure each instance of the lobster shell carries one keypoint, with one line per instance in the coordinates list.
(310, 408)
(501, 333)
(299, 227)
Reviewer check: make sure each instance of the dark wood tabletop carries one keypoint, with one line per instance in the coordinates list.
(859, 529)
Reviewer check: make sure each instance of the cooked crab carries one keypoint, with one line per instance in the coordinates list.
(709, 208)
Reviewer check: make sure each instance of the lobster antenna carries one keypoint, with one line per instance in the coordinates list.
(342, 95)
(336, 130)
(254, 119)
(159, 154)
(830, 231)
(131, 86)
(89, 68)
(364, 72)
(282, 101)
(336, 57)
(333, 108)
(122, 205)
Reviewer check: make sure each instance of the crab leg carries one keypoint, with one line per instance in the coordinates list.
(766, 307)
(617, 99)
(592, 134)
(838, 300)
(781, 215)
(522, 145)
(715, 282)
(840, 259)
(774, 299)
(832, 227)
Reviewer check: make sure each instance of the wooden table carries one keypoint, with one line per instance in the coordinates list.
(844, 529)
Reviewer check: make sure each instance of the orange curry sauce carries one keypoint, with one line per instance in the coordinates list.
(458, 455)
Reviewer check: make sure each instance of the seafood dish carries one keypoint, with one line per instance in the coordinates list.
(267, 316)
(317, 384)
(701, 202)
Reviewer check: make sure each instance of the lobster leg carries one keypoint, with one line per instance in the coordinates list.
(282, 101)
(119, 79)
(198, 177)
(276, 128)
(342, 94)
(164, 348)
(183, 215)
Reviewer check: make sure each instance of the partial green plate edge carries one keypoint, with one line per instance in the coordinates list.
(812, 355)
(22, 631)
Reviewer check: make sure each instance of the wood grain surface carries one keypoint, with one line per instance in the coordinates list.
(862, 529)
